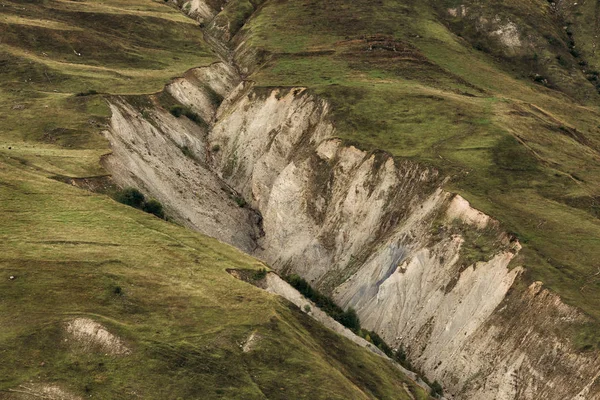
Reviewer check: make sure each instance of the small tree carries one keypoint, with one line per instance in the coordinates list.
(177, 110)
(436, 389)
(154, 207)
(350, 320)
(131, 197)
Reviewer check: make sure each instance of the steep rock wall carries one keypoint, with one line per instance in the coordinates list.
(383, 237)
(166, 157)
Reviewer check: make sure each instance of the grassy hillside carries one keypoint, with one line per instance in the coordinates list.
(55, 55)
(495, 96)
(162, 290)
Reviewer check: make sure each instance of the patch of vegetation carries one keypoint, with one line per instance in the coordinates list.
(90, 92)
(136, 199)
(179, 110)
(348, 318)
(240, 201)
(259, 274)
(436, 389)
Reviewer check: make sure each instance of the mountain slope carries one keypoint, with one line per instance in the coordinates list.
(99, 299)
(281, 156)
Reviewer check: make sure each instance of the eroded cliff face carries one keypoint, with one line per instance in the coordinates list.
(167, 158)
(383, 237)
(380, 235)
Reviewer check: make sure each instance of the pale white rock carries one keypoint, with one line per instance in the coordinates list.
(508, 34)
(200, 9)
(357, 225)
(91, 334)
(460, 208)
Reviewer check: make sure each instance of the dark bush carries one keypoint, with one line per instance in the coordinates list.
(350, 320)
(436, 389)
(260, 274)
(378, 341)
(90, 92)
(136, 199)
(347, 318)
(240, 201)
(131, 197)
(179, 110)
(193, 116)
(154, 207)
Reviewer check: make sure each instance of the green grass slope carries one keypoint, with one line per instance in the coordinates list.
(164, 291)
(495, 94)
(51, 51)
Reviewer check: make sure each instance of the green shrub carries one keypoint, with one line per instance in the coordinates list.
(436, 389)
(347, 318)
(90, 92)
(241, 202)
(136, 199)
(193, 116)
(350, 320)
(378, 342)
(131, 197)
(260, 274)
(153, 206)
(179, 110)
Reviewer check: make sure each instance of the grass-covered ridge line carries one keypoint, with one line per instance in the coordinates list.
(410, 78)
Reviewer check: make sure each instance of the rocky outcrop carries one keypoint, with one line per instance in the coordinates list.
(201, 10)
(523, 352)
(358, 225)
(91, 335)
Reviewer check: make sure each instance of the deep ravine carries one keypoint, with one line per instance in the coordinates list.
(266, 173)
